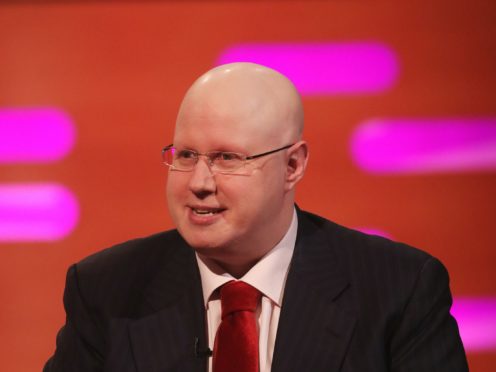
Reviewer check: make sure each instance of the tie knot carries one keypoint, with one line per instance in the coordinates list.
(238, 296)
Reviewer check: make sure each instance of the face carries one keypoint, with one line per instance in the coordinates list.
(229, 217)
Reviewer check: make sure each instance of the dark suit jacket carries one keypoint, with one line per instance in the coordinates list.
(352, 302)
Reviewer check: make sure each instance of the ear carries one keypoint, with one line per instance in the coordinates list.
(296, 164)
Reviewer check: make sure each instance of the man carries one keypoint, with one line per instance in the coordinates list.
(326, 298)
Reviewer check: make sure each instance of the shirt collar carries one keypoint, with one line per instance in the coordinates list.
(268, 275)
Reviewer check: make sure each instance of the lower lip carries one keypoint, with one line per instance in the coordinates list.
(204, 219)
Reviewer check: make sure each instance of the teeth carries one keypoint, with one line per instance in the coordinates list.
(204, 211)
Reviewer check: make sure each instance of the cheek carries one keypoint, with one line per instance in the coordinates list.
(169, 189)
(270, 192)
(251, 196)
(174, 190)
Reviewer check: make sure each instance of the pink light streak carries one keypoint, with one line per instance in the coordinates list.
(36, 212)
(476, 317)
(416, 146)
(374, 231)
(35, 135)
(344, 68)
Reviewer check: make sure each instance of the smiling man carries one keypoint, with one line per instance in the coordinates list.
(248, 282)
(236, 216)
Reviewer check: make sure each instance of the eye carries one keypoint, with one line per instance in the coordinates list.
(227, 161)
(228, 156)
(186, 154)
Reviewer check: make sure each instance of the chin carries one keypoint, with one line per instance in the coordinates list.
(201, 241)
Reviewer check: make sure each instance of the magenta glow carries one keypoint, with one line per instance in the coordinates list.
(36, 212)
(476, 318)
(374, 231)
(324, 68)
(425, 145)
(35, 135)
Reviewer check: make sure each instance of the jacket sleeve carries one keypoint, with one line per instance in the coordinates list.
(427, 338)
(80, 342)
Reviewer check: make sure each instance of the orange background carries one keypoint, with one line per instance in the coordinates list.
(120, 70)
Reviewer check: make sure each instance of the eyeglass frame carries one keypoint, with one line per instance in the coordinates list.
(210, 160)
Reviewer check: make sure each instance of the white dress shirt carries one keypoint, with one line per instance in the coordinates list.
(269, 277)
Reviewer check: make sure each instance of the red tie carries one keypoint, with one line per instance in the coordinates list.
(236, 341)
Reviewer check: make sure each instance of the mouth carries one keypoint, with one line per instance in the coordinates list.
(206, 211)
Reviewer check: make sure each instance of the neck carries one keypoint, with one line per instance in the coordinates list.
(237, 271)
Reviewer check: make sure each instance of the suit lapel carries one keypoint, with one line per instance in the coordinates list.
(173, 317)
(316, 325)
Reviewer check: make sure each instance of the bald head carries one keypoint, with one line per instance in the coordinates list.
(235, 218)
(245, 95)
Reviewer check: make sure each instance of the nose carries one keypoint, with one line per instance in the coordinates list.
(202, 181)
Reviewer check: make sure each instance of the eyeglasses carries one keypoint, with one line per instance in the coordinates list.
(218, 161)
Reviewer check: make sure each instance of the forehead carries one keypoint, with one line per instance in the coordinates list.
(225, 124)
(243, 107)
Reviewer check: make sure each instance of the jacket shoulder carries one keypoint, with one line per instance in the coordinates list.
(113, 280)
(350, 244)
(384, 276)
(130, 254)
